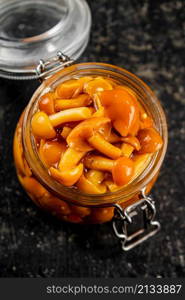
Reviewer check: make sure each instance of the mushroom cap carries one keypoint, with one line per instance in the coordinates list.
(41, 126)
(122, 108)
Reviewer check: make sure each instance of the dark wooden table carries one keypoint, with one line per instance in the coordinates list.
(145, 37)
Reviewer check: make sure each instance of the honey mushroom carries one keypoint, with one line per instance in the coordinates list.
(65, 132)
(113, 138)
(70, 115)
(78, 137)
(87, 186)
(52, 101)
(80, 101)
(100, 112)
(46, 103)
(95, 176)
(67, 176)
(51, 151)
(71, 88)
(123, 114)
(130, 144)
(127, 149)
(150, 140)
(97, 85)
(122, 169)
(112, 166)
(100, 144)
(94, 133)
(69, 171)
(91, 182)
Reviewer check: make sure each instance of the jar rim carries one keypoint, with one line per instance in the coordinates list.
(70, 194)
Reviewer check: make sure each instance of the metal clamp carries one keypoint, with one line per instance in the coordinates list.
(47, 68)
(125, 226)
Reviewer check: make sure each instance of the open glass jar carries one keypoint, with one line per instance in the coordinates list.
(31, 32)
(70, 204)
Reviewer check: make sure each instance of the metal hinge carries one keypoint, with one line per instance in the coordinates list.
(47, 68)
(135, 224)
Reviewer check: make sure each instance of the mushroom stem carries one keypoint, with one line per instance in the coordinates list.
(70, 159)
(89, 187)
(67, 177)
(70, 115)
(100, 144)
(127, 149)
(98, 163)
(80, 101)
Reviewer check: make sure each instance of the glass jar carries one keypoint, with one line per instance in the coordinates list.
(72, 205)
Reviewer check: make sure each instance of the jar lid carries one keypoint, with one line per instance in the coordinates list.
(31, 30)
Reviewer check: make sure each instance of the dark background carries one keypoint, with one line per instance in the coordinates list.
(145, 37)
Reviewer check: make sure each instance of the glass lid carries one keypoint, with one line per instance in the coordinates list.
(31, 30)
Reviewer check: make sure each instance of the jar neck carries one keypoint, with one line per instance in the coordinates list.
(147, 99)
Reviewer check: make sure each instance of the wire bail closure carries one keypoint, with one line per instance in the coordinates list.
(47, 68)
(124, 221)
(43, 70)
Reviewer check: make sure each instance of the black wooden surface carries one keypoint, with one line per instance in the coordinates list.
(145, 37)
